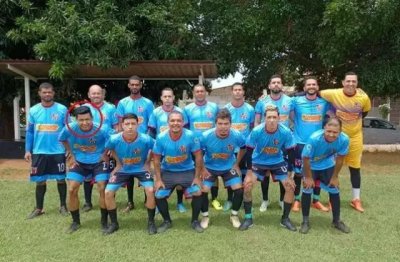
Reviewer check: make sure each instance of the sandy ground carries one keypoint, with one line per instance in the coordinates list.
(18, 169)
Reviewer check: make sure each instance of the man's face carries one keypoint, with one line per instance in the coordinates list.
(130, 126)
(96, 95)
(46, 94)
(331, 131)
(350, 84)
(222, 127)
(237, 92)
(311, 86)
(167, 98)
(199, 93)
(275, 85)
(271, 119)
(175, 123)
(135, 86)
(85, 121)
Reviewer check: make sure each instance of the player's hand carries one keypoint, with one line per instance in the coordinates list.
(115, 170)
(291, 174)
(308, 182)
(204, 174)
(28, 157)
(289, 182)
(197, 181)
(237, 169)
(72, 161)
(109, 153)
(159, 184)
(334, 182)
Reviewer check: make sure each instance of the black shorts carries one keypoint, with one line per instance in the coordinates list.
(230, 177)
(47, 166)
(120, 179)
(174, 179)
(84, 172)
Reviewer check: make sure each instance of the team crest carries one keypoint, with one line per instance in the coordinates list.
(276, 141)
(319, 107)
(34, 170)
(140, 109)
(136, 151)
(357, 105)
(284, 107)
(182, 148)
(92, 140)
(243, 116)
(209, 114)
(54, 116)
(230, 147)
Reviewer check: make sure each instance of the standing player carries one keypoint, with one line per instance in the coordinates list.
(96, 95)
(266, 144)
(323, 157)
(84, 142)
(132, 154)
(219, 145)
(201, 117)
(158, 123)
(351, 104)
(285, 106)
(309, 112)
(43, 150)
(177, 146)
(243, 121)
(140, 106)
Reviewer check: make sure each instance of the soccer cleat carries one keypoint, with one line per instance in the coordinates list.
(157, 211)
(87, 207)
(286, 223)
(63, 211)
(247, 223)
(130, 206)
(165, 225)
(197, 227)
(356, 204)
(204, 222)
(341, 227)
(151, 228)
(305, 227)
(281, 204)
(181, 208)
(216, 204)
(111, 229)
(318, 205)
(73, 227)
(235, 221)
(104, 227)
(227, 206)
(264, 205)
(296, 206)
(35, 213)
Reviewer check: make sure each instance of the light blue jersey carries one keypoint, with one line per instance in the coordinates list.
(142, 107)
(284, 104)
(201, 118)
(322, 153)
(109, 114)
(44, 127)
(268, 146)
(159, 119)
(176, 154)
(220, 152)
(87, 150)
(132, 155)
(242, 117)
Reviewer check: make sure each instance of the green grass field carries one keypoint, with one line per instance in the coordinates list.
(375, 234)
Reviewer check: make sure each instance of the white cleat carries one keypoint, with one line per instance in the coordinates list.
(204, 222)
(264, 206)
(235, 221)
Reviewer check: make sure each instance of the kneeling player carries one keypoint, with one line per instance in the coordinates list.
(266, 143)
(176, 146)
(85, 145)
(219, 146)
(131, 151)
(323, 157)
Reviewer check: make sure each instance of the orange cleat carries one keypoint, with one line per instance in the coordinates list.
(356, 204)
(296, 206)
(318, 205)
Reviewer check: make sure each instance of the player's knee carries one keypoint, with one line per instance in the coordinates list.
(149, 191)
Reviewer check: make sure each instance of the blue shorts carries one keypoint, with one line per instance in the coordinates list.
(47, 166)
(85, 172)
(298, 160)
(119, 179)
(278, 171)
(322, 178)
(173, 179)
(230, 177)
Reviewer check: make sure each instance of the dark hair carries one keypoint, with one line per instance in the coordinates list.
(176, 112)
(328, 120)
(167, 89)
(308, 78)
(223, 114)
(130, 116)
(46, 85)
(82, 110)
(135, 77)
(275, 76)
(198, 85)
(350, 73)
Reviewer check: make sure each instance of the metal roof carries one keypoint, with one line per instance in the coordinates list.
(157, 69)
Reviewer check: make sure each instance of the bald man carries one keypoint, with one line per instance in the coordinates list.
(96, 94)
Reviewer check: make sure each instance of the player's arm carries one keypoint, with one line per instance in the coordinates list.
(338, 166)
(69, 153)
(29, 142)
(308, 181)
(157, 171)
(291, 158)
(199, 166)
(147, 162)
(118, 163)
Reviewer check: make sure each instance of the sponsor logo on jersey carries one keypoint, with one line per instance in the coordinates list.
(131, 161)
(270, 150)
(311, 118)
(47, 128)
(175, 159)
(220, 156)
(85, 148)
(202, 125)
(239, 126)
